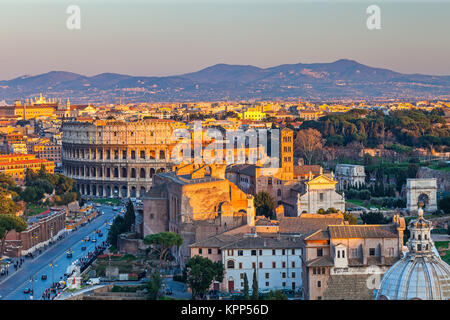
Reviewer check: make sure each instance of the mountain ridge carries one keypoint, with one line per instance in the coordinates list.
(341, 79)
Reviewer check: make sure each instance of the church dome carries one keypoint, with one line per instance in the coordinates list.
(420, 274)
(415, 277)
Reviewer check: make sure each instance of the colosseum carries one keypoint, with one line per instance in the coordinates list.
(111, 158)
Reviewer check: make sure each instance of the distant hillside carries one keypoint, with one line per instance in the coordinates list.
(337, 80)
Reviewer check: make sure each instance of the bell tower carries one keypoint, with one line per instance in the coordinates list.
(287, 154)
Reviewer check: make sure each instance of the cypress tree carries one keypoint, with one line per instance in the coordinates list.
(254, 286)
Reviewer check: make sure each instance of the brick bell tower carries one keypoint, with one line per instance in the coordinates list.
(287, 154)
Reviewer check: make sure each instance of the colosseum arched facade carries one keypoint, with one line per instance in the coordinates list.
(110, 158)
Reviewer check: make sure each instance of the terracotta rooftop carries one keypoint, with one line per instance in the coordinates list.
(362, 231)
(325, 261)
(307, 223)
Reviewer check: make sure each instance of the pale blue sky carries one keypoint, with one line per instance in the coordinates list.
(164, 37)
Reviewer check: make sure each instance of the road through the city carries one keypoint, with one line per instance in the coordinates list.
(53, 262)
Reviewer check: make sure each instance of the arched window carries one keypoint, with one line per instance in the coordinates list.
(419, 237)
(162, 155)
(230, 264)
(116, 172)
(124, 172)
(133, 172)
(152, 172)
(142, 173)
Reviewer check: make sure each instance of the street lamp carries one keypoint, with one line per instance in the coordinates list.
(32, 287)
(53, 276)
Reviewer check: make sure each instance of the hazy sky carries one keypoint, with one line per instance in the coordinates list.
(164, 37)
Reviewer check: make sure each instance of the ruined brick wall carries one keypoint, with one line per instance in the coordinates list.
(443, 178)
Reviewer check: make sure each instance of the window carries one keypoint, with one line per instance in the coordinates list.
(293, 264)
(133, 154)
(321, 196)
(323, 270)
(254, 265)
(274, 252)
(240, 252)
(283, 252)
(230, 264)
(209, 251)
(283, 275)
(230, 252)
(240, 265)
(354, 252)
(219, 251)
(242, 276)
(319, 284)
(283, 284)
(274, 264)
(314, 271)
(142, 154)
(267, 284)
(260, 252)
(293, 274)
(124, 154)
(267, 275)
(253, 252)
(260, 265)
(283, 264)
(200, 251)
(339, 253)
(372, 251)
(343, 253)
(293, 251)
(320, 252)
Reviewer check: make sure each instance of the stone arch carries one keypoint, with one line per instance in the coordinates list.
(422, 188)
(124, 192)
(423, 197)
(133, 192)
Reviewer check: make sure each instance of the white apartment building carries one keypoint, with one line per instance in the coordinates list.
(277, 261)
